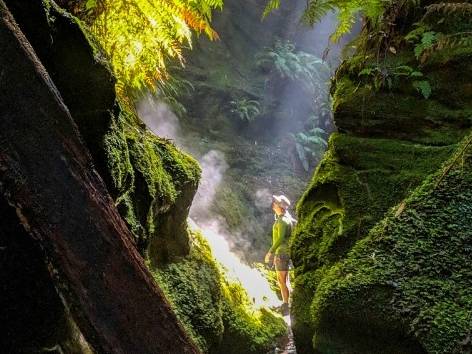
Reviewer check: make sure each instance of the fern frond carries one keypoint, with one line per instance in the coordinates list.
(347, 11)
(271, 6)
(456, 42)
(449, 9)
(316, 9)
(141, 37)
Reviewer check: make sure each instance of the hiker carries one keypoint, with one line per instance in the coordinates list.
(279, 251)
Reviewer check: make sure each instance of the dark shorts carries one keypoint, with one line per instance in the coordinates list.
(281, 262)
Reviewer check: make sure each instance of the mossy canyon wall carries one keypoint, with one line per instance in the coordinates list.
(382, 248)
(152, 184)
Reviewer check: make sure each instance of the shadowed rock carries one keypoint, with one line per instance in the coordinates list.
(47, 175)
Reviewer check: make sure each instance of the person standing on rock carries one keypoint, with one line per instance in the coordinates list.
(279, 252)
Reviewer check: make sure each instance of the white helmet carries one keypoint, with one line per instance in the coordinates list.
(281, 200)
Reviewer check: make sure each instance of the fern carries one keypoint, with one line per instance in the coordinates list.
(428, 39)
(312, 71)
(450, 9)
(347, 11)
(271, 5)
(423, 87)
(378, 77)
(316, 10)
(455, 42)
(310, 145)
(246, 110)
(141, 38)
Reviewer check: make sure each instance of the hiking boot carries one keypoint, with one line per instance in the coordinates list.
(284, 309)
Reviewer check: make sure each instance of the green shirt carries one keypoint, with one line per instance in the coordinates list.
(280, 235)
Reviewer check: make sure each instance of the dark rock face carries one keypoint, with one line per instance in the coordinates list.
(85, 84)
(152, 182)
(46, 173)
(33, 316)
(370, 279)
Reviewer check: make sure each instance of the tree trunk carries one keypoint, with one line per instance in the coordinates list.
(46, 173)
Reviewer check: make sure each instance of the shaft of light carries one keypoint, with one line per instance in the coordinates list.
(256, 285)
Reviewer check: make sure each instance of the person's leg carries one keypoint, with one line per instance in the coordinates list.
(282, 279)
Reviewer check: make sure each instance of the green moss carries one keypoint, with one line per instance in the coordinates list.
(367, 284)
(217, 313)
(354, 185)
(400, 116)
(302, 324)
(149, 175)
(373, 91)
(419, 255)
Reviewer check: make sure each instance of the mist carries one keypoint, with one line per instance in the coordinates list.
(229, 246)
(160, 119)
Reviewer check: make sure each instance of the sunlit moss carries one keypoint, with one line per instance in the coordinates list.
(355, 184)
(217, 313)
(148, 174)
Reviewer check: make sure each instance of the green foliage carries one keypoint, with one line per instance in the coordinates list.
(217, 313)
(310, 146)
(245, 109)
(449, 9)
(313, 73)
(141, 38)
(411, 274)
(322, 112)
(311, 70)
(427, 41)
(385, 76)
(357, 181)
(454, 37)
(347, 10)
(271, 6)
(450, 43)
(370, 278)
(172, 89)
(423, 87)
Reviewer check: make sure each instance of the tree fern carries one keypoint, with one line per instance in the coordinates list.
(140, 38)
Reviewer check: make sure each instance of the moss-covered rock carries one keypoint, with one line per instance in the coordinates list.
(152, 182)
(155, 183)
(73, 62)
(370, 279)
(407, 284)
(401, 113)
(355, 184)
(217, 312)
(358, 180)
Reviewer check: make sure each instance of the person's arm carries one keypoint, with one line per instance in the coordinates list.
(281, 230)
